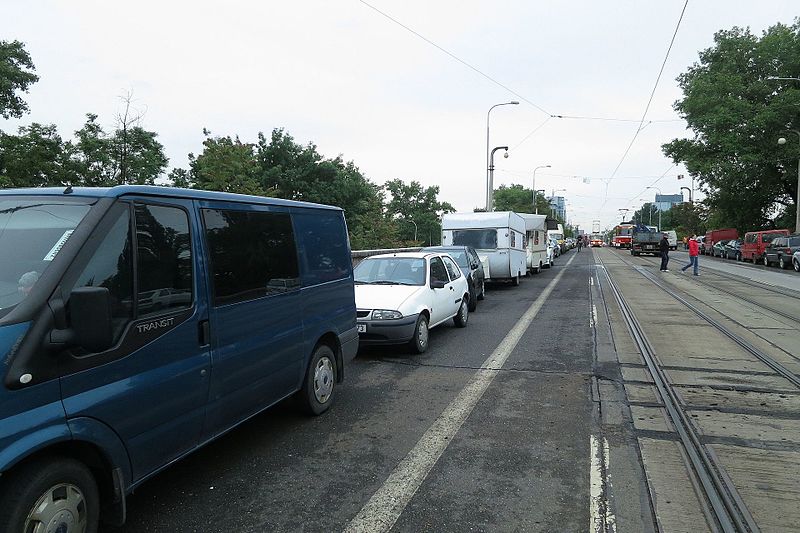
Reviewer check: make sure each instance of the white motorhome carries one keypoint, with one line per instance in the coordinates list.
(536, 256)
(498, 237)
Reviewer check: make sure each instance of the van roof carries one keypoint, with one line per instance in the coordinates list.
(158, 191)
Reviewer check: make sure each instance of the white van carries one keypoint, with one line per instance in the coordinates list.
(498, 237)
(536, 256)
(672, 237)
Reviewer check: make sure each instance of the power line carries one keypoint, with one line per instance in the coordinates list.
(537, 128)
(652, 93)
(512, 91)
(612, 119)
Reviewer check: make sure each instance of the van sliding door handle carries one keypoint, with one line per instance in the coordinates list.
(204, 332)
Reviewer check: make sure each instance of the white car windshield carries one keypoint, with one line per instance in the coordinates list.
(390, 271)
(32, 232)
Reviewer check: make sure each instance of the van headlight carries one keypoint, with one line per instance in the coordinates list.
(385, 314)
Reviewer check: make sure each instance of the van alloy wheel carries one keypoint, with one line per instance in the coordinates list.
(61, 508)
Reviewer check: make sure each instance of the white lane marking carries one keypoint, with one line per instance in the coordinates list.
(595, 487)
(385, 506)
(601, 517)
(593, 316)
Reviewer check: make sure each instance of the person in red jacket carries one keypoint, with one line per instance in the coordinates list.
(694, 252)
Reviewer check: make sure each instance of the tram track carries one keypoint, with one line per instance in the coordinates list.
(721, 495)
(752, 301)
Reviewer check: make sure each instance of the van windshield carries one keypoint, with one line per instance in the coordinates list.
(480, 239)
(32, 232)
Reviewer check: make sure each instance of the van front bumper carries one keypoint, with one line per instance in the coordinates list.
(387, 331)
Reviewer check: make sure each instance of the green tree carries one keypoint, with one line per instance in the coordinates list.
(136, 156)
(16, 75)
(36, 157)
(411, 204)
(289, 170)
(737, 114)
(225, 164)
(519, 199)
(180, 177)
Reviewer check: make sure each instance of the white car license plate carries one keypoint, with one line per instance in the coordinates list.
(362, 328)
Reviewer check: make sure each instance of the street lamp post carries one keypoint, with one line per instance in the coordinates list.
(691, 200)
(490, 202)
(533, 187)
(415, 229)
(782, 140)
(489, 191)
(659, 209)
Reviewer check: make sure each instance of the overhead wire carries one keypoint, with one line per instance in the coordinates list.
(652, 93)
(455, 57)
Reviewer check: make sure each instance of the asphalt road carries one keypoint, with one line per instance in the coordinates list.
(518, 459)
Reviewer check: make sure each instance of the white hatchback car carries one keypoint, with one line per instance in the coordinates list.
(400, 296)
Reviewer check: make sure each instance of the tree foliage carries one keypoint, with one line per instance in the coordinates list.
(35, 157)
(16, 75)
(737, 114)
(417, 210)
(519, 199)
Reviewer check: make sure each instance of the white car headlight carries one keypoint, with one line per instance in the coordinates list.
(385, 314)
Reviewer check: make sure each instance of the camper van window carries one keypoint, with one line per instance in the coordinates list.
(32, 232)
(164, 259)
(480, 239)
(253, 254)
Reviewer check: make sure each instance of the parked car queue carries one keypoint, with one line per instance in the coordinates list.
(769, 247)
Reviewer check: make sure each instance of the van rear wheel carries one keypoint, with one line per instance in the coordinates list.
(50, 495)
(319, 386)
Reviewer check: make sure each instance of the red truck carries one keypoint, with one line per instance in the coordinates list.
(716, 235)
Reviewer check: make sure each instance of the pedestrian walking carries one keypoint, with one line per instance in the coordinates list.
(694, 252)
(663, 245)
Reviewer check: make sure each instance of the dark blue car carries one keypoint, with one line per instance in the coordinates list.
(139, 323)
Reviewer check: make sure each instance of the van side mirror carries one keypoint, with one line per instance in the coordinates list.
(90, 315)
(435, 284)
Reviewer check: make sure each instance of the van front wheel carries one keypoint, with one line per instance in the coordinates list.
(50, 495)
(319, 387)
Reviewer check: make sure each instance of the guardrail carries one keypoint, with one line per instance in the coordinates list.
(359, 255)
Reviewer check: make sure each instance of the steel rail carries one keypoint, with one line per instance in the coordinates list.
(749, 300)
(721, 497)
(764, 358)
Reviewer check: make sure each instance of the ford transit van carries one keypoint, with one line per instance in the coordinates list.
(138, 323)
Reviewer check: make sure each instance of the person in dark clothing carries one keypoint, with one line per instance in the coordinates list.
(663, 245)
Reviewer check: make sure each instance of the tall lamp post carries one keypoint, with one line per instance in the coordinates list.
(691, 200)
(659, 209)
(489, 191)
(490, 202)
(782, 140)
(415, 229)
(533, 187)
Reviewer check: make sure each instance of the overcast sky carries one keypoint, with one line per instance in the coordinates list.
(345, 77)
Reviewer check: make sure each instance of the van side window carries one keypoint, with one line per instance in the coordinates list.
(438, 270)
(252, 254)
(111, 266)
(322, 243)
(164, 259)
(750, 237)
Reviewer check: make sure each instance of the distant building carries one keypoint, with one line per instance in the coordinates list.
(559, 207)
(665, 201)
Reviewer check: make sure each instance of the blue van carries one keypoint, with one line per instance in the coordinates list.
(138, 323)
